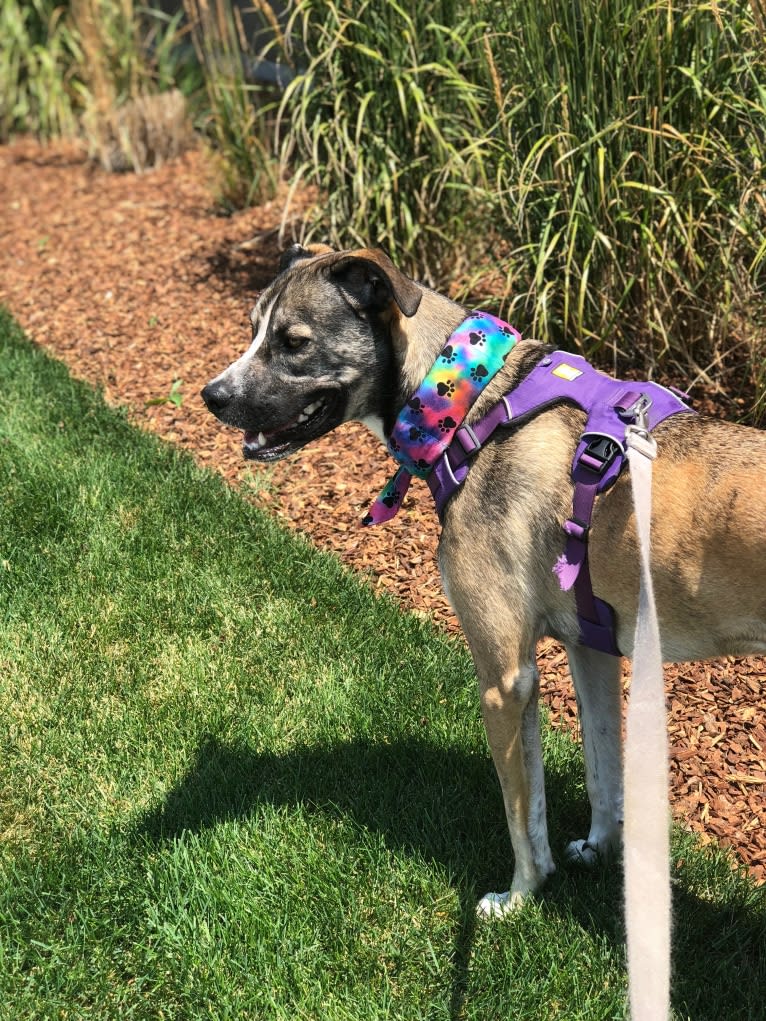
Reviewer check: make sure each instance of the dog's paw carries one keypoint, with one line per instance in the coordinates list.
(500, 905)
(580, 852)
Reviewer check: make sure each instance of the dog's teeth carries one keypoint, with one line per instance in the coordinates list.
(261, 441)
(302, 418)
(311, 408)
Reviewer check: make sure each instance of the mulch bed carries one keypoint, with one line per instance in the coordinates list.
(135, 282)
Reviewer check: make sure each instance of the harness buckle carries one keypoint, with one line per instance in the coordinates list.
(599, 454)
(576, 528)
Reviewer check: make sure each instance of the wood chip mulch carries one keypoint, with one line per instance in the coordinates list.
(135, 282)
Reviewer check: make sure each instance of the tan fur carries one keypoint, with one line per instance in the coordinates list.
(417, 341)
(503, 533)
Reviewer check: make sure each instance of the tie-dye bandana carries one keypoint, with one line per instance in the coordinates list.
(425, 426)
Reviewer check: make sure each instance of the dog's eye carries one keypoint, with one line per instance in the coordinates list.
(293, 341)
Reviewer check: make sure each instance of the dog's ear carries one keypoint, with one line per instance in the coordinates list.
(369, 281)
(295, 253)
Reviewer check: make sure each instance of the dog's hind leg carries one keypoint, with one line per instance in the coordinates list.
(596, 677)
(509, 702)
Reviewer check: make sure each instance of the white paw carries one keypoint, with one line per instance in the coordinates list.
(499, 905)
(580, 852)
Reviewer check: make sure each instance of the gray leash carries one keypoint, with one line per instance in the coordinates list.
(646, 778)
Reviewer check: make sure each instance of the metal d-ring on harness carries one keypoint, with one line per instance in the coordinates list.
(613, 407)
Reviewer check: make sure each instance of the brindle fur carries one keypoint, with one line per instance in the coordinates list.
(371, 335)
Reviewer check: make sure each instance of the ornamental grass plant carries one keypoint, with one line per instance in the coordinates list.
(238, 116)
(133, 117)
(39, 51)
(630, 170)
(388, 120)
(600, 165)
(597, 169)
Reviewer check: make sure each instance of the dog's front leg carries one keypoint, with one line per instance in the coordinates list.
(492, 610)
(509, 702)
(596, 677)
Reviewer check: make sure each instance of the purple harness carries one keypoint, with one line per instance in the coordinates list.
(611, 405)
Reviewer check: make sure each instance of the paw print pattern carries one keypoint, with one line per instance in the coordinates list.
(429, 419)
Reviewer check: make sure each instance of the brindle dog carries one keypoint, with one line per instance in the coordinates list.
(346, 335)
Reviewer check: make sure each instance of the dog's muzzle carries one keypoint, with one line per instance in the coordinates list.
(274, 431)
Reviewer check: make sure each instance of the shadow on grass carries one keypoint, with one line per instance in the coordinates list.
(445, 805)
(422, 798)
(442, 805)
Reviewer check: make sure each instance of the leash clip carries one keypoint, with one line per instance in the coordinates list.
(641, 441)
(636, 414)
(637, 433)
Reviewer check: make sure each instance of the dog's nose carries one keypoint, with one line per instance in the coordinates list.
(216, 396)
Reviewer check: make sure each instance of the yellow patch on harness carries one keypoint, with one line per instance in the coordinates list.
(565, 371)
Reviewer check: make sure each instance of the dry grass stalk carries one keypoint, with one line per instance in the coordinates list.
(129, 126)
(145, 132)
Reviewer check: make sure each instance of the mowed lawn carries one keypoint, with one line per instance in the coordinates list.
(235, 783)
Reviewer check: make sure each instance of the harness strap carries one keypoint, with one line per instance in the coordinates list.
(513, 408)
(611, 406)
(450, 471)
(596, 618)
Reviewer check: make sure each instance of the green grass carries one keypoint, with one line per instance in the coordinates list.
(235, 783)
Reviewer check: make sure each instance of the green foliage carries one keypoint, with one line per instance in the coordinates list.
(603, 164)
(173, 396)
(388, 121)
(38, 53)
(133, 117)
(629, 171)
(239, 117)
(597, 168)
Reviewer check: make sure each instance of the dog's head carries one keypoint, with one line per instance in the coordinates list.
(320, 353)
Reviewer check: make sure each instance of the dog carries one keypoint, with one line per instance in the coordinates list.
(342, 336)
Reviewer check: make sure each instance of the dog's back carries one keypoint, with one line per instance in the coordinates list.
(708, 539)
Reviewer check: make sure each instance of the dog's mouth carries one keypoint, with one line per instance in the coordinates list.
(318, 417)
